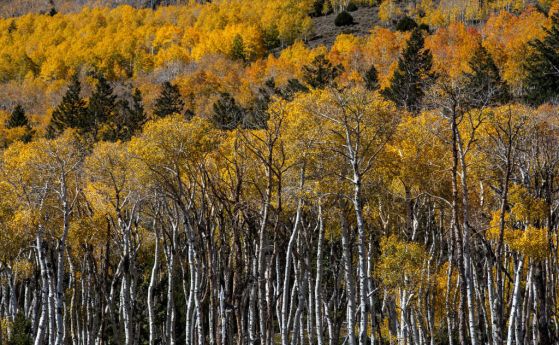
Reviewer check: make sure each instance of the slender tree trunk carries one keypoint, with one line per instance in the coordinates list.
(287, 273)
(61, 250)
(261, 292)
(350, 285)
(151, 287)
(318, 281)
(363, 279)
(42, 324)
(514, 309)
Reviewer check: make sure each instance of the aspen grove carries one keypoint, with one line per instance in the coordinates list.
(199, 174)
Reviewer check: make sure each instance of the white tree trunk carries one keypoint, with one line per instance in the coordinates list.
(287, 274)
(151, 287)
(513, 319)
(318, 281)
(42, 324)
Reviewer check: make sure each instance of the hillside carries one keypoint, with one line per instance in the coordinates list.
(279, 172)
(14, 8)
(325, 31)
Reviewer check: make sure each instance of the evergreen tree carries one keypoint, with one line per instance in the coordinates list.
(317, 8)
(22, 332)
(238, 48)
(101, 106)
(12, 27)
(293, 86)
(406, 23)
(227, 114)
(321, 72)
(371, 78)
(137, 115)
(17, 118)
(412, 76)
(542, 82)
(71, 112)
(257, 116)
(169, 101)
(484, 83)
(130, 117)
(270, 38)
(52, 11)
(189, 114)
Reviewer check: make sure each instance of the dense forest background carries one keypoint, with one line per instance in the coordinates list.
(294, 172)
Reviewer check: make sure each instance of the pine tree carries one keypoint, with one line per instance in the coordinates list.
(412, 76)
(270, 38)
(321, 72)
(17, 118)
(12, 27)
(317, 8)
(130, 118)
(371, 79)
(293, 86)
(227, 114)
(238, 48)
(52, 12)
(257, 116)
(71, 112)
(101, 105)
(137, 115)
(169, 101)
(484, 83)
(542, 82)
(406, 23)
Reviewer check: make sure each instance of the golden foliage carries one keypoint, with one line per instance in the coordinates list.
(401, 263)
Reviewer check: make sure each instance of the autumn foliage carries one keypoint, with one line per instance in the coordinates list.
(197, 173)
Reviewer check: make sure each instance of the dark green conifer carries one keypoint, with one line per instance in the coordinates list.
(169, 101)
(101, 107)
(317, 8)
(227, 114)
(293, 87)
(484, 83)
(71, 112)
(371, 79)
(130, 117)
(238, 49)
(257, 116)
(406, 23)
(321, 72)
(412, 76)
(12, 27)
(542, 82)
(270, 37)
(17, 118)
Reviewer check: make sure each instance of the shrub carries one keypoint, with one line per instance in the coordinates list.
(344, 19)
